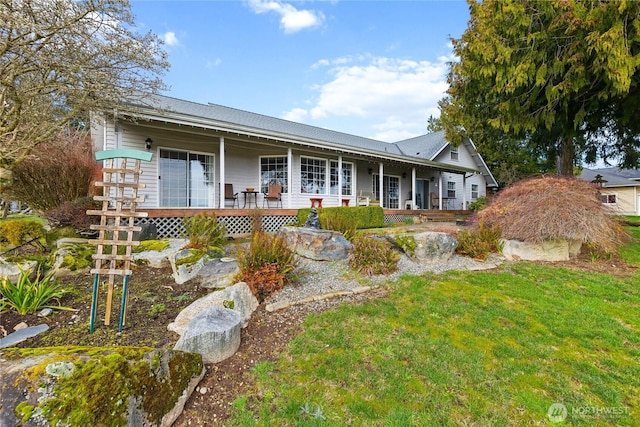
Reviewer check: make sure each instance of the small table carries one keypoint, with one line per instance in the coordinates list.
(345, 202)
(250, 193)
(316, 200)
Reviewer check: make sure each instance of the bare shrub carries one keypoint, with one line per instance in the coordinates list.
(55, 172)
(553, 208)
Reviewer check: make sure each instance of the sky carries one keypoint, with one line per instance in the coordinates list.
(369, 68)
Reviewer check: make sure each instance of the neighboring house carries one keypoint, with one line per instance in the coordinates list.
(199, 148)
(620, 188)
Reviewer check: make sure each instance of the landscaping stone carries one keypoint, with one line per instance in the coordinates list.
(182, 273)
(244, 302)
(213, 333)
(12, 271)
(320, 245)
(217, 273)
(161, 259)
(433, 246)
(152, 387)
(22, 334)
(551, 250)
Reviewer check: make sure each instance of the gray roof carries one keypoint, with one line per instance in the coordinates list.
(615, 177)
(424, 146)
(234, 117)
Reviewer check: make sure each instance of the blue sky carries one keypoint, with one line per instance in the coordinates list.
(370, 68)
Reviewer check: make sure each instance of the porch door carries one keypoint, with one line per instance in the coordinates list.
(186, 179)
(422, 193)
(390, 191)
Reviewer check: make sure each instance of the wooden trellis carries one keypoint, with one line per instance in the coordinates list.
(121, 174)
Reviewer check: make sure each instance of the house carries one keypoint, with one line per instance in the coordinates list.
(620, 188)
(199, 149)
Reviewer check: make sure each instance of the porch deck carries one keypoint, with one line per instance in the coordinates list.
(239, 222)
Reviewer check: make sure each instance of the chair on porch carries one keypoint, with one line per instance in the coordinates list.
(363, 199)
(230, 195)
(435, 201)
(273, 195)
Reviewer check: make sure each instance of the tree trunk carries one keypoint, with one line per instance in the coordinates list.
(565, 159)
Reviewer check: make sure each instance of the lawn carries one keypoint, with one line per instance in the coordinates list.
(465, 348)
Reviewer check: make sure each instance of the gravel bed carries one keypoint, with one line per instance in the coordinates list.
(327, 279)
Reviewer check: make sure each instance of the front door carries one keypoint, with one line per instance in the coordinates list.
(186, 179)
(390, 191)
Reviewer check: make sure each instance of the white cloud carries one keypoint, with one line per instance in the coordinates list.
(212, 63)
(394, 97)
(292, 20)
(296, 115)
(170, 38)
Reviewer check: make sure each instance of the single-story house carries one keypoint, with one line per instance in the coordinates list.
(198, 148)
(620, 188)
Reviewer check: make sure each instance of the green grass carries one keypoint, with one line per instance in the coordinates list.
(464, 348)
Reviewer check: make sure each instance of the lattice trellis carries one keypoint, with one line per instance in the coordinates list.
(395, 218)
(117, 218)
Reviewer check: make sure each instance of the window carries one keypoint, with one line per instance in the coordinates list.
(451, 189)
(186, 179)
(273, 171)
(347, 178)
(454, 152)
(608, 199)
(313, 175)
(474, 191)
(390, 190)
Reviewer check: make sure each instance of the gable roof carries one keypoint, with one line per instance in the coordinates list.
(227, 119)
(614, 176)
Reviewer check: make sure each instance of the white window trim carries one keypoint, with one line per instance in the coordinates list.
(215, 194)
(273, 156)
(454, 153)
(327, 175)
(352, 176)
(606, 194)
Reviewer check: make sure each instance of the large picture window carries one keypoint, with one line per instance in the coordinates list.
(313, 175)
(186, 179)
(274, 171)
(347, 178)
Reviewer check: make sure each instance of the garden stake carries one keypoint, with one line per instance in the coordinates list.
(120, 191)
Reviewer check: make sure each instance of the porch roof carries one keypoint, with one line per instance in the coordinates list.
(234, 121)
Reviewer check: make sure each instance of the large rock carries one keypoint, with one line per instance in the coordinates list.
(433, 246)
(22, 334)
(160, 259)
(218, 273)
(551, 250)
(243, 300)
(320, 245)
(96, 386)
(213, 333)
(183, 272)
(12, 271)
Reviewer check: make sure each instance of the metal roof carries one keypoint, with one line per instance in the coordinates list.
(214, 116)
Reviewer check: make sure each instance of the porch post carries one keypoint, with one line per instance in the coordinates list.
(464, 190)
(339, 180)
(381, 183)
(413, 187)
(289, 177)
(221, 189)
(440, 190)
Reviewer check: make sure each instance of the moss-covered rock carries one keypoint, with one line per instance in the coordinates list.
(113, 386)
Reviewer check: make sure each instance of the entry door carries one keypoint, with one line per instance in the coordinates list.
(186, 179)
(390, 191)
(422, 193)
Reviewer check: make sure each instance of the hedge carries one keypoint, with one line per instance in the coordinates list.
(365, 216)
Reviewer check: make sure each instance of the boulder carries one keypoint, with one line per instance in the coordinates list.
(182, 273)
(22, 334)
(551, 250)
(244, 302)
(320, 245)
(12, 271)
(213, 333)
(217, 273)
(78, 386)
(160, 259)
(433, 246)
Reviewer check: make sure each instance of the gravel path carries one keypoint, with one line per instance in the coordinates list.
(329, 279)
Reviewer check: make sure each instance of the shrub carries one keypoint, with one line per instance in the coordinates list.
(478, 204)
(364, 216)
(55, 172)
(344, 224)
(27, 296)
(19, 232)
(74, 214)
(205, 232)
(372, 256)
(479, 242)
(553, 208)
(268, 264)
